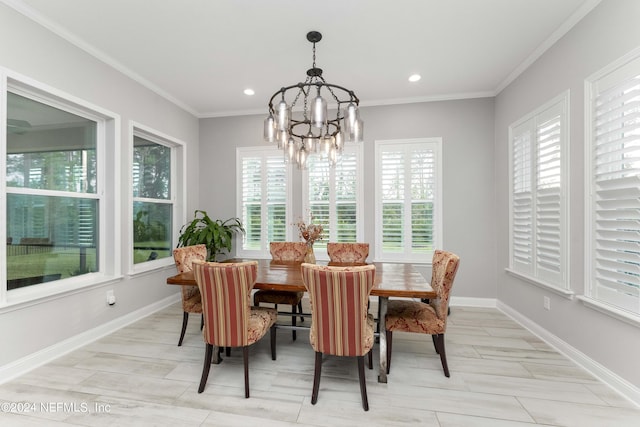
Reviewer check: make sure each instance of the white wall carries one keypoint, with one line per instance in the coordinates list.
(33, 51)
(466, 127)
(607, 33)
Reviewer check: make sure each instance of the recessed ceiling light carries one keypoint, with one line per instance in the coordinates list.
(414, 77)
(249, 92)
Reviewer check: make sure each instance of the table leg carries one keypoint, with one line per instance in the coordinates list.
(382, 374)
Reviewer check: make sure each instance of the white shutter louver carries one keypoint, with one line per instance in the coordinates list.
(522, 205)
(616, 193)
(549, 227)
(346, 174)
(393, 184)
(251, 202)
(276, 199)
(319, 182)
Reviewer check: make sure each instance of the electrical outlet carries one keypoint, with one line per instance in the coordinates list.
(546, 303)
(111, 297)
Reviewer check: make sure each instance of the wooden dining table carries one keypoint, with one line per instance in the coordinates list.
(391, 280)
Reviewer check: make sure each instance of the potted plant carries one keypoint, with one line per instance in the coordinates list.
(217, 235)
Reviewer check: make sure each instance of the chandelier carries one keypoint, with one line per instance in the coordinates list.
(308, 129)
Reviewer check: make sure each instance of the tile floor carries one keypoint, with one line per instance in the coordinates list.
(501, 375)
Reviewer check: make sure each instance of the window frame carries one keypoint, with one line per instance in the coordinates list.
(320, 247)
(534, 273)
(262, 152)
(107, 191)
(177, 189)
(609, 76)
(430, 143)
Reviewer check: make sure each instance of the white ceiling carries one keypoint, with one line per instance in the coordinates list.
(202, 54)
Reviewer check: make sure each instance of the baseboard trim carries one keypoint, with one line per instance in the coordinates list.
(620, 385)
(21, 366)
(473, 302)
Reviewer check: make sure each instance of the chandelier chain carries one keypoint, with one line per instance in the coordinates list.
(314, 55)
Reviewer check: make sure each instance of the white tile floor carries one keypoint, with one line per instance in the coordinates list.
(501, 375)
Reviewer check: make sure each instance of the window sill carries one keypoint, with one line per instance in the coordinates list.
(151, 267)
(37, 294)
(625, 316)
(566, 293)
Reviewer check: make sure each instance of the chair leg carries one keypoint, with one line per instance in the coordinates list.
(273, 341)
(245, 358)
(293, 320)
(363, 383)
(207, 365)
(435, 344)
(202, 322)
(370, 357)
(389, 344)
(300, 311)
(443, 356)
(316, 378)
(185, 320)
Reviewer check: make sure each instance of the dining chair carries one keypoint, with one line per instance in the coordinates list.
(347, 252)
(191, 301)
(426, 318)
(340, 324)
(229, 319)
(284, 252)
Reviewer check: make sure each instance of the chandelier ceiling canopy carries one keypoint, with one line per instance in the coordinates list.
(299, 122)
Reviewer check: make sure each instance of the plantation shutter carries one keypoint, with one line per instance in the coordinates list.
(616, 189)
(522, 200)
(333, 194)
(346, 185)
(276, 199)
(550, 253)
(263, 199)
(252, 202)
(393, 176)
(319, 189)
(538, 195)
(407, 187)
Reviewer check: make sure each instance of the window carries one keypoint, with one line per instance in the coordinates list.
(538, 194)
(263, 199)
(613, 198)
(408, 199)
(154, 182)
(56, 195)
(333, 196)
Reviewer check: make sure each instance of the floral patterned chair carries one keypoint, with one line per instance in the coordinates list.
(284, 252)
(191, 303)
(426, 318)
(340, 325)
(348, 252)
(229, 320)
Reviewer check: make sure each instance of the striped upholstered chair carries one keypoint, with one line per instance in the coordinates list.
(340, 325)
(348, 252)
(284, 252)
(229, 319)
(426, 318)
(183, 258)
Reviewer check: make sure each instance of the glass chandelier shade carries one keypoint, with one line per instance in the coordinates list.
(309, 129)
